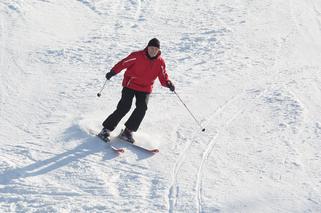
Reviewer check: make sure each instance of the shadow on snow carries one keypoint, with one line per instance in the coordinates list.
(90, 145)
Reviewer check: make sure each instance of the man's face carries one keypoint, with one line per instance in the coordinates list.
(152, 51)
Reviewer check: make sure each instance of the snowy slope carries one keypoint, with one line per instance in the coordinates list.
(248, 70)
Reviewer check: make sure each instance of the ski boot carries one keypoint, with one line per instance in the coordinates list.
(104, 134)
(127, 135)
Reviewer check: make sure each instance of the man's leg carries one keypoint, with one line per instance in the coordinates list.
(138, 114)
(123, 108)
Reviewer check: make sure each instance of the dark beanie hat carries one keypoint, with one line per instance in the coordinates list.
(154, 43)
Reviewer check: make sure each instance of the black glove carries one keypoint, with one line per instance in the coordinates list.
(171, 86)
(110, 74)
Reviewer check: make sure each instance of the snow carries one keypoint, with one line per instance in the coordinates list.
(248, 70)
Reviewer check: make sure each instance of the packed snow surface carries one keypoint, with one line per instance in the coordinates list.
(249, 71)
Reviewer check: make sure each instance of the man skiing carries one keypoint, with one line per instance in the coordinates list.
(142, 68)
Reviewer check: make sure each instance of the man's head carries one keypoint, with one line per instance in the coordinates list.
(154, 43)
(153, 47)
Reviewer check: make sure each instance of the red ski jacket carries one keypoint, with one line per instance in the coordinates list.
(142, 71)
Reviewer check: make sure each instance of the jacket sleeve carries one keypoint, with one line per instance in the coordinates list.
(162, 76)
(125, 63)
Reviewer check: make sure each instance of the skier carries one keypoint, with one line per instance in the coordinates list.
(142, 68)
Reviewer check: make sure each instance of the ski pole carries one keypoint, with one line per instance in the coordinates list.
(99, 93)
(203, 129)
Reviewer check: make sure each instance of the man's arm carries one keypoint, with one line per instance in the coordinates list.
(163, 78)
(122, 64)
(125, 63)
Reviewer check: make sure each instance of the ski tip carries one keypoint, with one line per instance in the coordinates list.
(121, 151)
(118, 151)
(155, 150)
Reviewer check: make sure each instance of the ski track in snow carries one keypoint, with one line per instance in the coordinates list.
(231, 61)
(173, 191)
(211, 143)
(173, 188)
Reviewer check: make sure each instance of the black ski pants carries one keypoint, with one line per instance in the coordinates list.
(123, 108)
